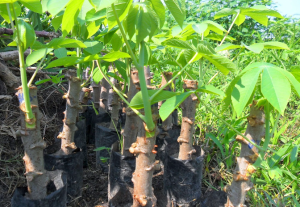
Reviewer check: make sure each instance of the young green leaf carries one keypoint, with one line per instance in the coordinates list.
(33, 5)
(97, 75)
(275, 88)
(227, 46)
(243, 90)
(212, 90)
(61, 52)
(55, 6)
(65, 61)
(174, 42)
(66, 43)
(93, 47)
(113, 56)
(121, 7)
(36, 56)
(27, 34)
(171, 104)
(4, 13)
(70, 16)
(137, 100)
(177, 9)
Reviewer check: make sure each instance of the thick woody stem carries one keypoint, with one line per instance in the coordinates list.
(132, 119)
(104, 95)
(115, 105)
(8, 77)
(168, 123)
(67, 135)
(12, 55)
(96, 94)
(36, 175)
(236, 192)
(37, 33)
(188, 118)
(84, 97)
(148, 75)
(145, 150)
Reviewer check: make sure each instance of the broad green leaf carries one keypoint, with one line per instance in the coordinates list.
(224, 12)
(243, 90)
(217, 28)
(92, 28)
(200, 28)
(86, 7)
(222, 63)
(61, 52)
(240, 19)
(56, 22)
(218, 37)
(295, 70)
(55, 6)
(97, 75)
(171, 104)
(33, 5)
(36, 56)
(121, 67)
(147, 23)
(64, 42)
(294, 153)
(275, 88)
(116, 41)
(94, 15)
(101, 4)
(227, 46)
(131, 19)
(65, 61)
(275, 45)
(173, 42)
(212, 90)
(27, 34)
(228, 92)
(93, 47)
(113, 56)
(7, 1)
(256, 48)
(204, 48)
(295, 84)
(42, 81)
(177, 9)
(88, 58)
(137, 101)
(70, 16)
(4, 13)
(159, 10)
(121, 7)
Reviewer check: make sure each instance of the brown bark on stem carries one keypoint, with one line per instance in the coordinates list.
(236, 192)
(168, 123)
(12, 55)
(37, 33)
(10, 80)
(144, 148)
(96, 94)
(148, 75)
(187, 126)
(36, 175)
(132, 119)
(115, 105)
(71, 112)
(104, 95)
(84, 97)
